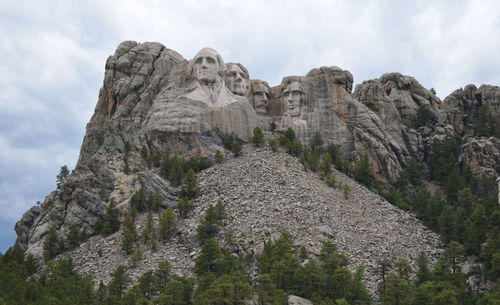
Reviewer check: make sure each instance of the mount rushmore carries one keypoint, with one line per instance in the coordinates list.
(151, 96)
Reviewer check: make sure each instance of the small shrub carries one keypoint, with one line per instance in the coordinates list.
(331, 180)
(273, 126)
(346, 191)
(219, 156)
(258, 137)
(273, 144)
(236, 148)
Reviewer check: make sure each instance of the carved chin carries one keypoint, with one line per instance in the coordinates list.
(261, 110)
(294, 112)
(239, 91)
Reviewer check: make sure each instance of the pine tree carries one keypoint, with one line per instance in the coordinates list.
(190, 188)
(74, 237)
(236, 148)
(112, 216)
(51, 244)
(258, 137)
(326, 164)
(147, 285)
(129, 235)
(119, 281)
(454, 256)
(273, 144)
(184, 206)
(317, 143)
(209, 258)
(273, 126)
(136, 257)
(362, 171)
(168, 224)
(63, 174)
(163, 274)
(176, 174)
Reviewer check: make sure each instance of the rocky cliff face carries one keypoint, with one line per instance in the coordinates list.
(151, 96)
(263, 194)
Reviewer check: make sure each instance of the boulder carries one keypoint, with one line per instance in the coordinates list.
(295, 300)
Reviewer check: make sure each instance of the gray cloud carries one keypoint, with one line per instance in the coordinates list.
(53, 56)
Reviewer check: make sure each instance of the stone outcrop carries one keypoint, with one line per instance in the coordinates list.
(482, 156)
(463, 105)
(295, 300)
(153, 97)
(263, 195)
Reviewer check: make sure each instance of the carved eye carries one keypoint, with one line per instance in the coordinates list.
(210, 60)
(286, 93)
(199, 60)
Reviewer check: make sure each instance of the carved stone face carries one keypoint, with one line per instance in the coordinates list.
(237, 81)
(294, 96)
(206, 66)
(260, 92)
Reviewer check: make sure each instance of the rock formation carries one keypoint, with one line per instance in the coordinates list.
(154, 98)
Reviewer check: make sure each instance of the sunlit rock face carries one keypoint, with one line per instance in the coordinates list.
(152, 97)
(204, 104)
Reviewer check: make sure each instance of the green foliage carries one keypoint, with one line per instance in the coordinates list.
(163, 274)
(411, 174)
(209, 258)
(63, 174)
(326, 164)
(282, 140)
(51, 245)
(423, 273)
(136, 257)
(424, 115)
(149, 229)
(236, 148)
(273, 144)
(486, 125)
(168, 224)
(189, 189)
(258, 137)
(273, 126)
(281, 274)
(476, 229)
(129, 237)
(120, 279)
(290, 134)
(111, 222)
(363, 172)
(454, 256)
(395, 291)
(142, 200)
(184, 206)
(126, 155)
(74, 236)
(219, 156)
(176, 174)
(144, 152)
(346, 191)
(209, 225)
(331, 180)
(443, 158)
(316, 143)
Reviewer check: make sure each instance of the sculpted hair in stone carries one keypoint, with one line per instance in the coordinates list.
(221, 66)
(228, 66)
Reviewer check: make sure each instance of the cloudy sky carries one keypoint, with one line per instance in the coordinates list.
(52, 56)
